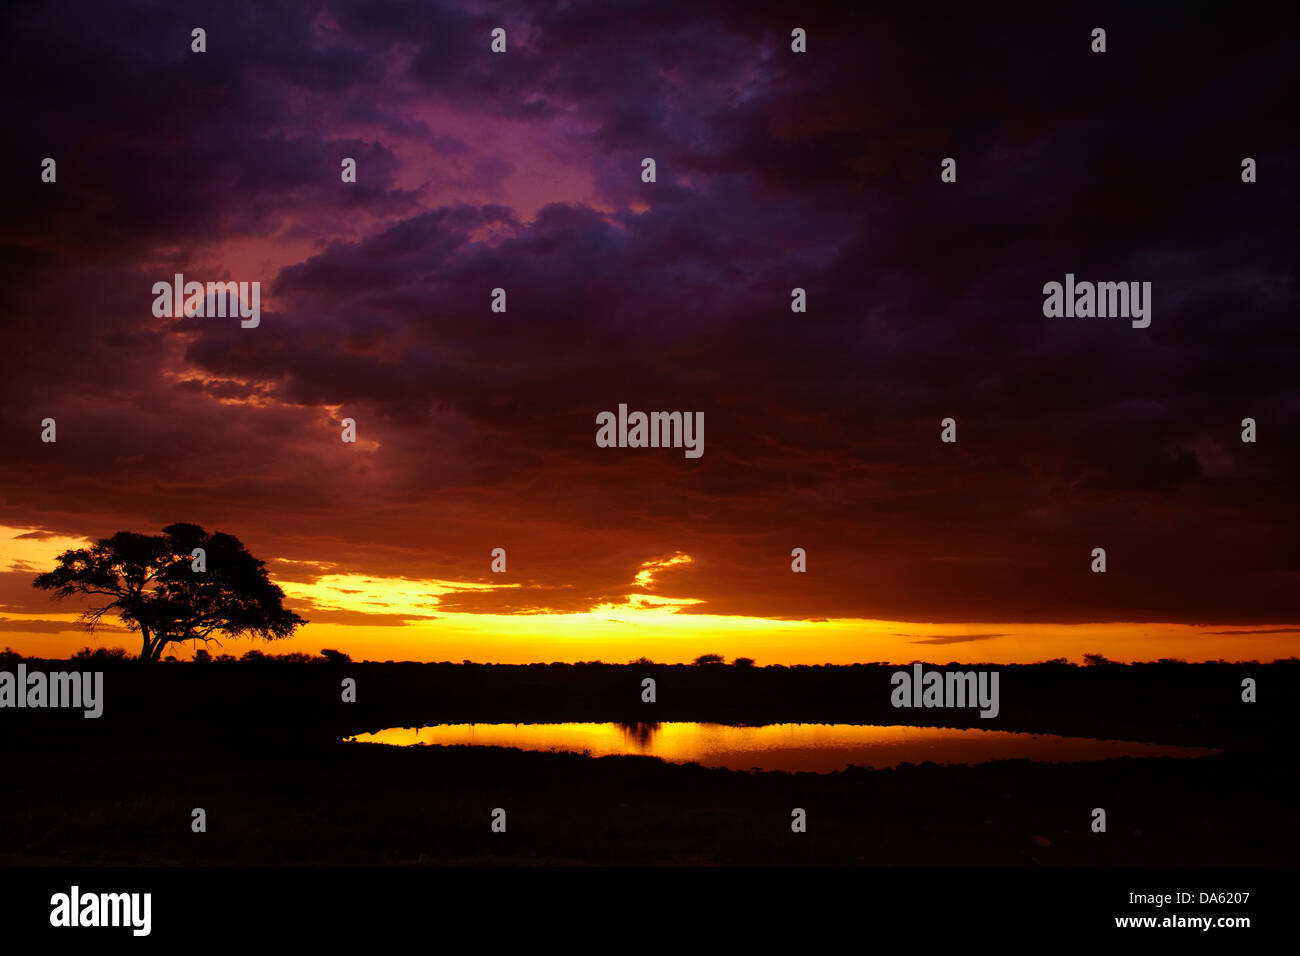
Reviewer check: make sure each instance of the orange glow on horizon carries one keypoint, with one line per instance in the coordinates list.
(409, 624)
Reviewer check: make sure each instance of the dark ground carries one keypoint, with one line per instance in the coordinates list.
(256, 745)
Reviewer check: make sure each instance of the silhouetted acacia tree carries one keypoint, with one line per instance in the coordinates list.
(152, 586)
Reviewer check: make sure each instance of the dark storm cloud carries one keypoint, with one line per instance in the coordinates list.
(775, 171)
(50, 627)
(318, 615)
(956, 638)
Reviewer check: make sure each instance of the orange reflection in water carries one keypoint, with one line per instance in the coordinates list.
(819, 748)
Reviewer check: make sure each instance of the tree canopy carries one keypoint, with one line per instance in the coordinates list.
(184, 584)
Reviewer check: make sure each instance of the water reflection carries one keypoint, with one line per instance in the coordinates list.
(640, 732)
(811, 747)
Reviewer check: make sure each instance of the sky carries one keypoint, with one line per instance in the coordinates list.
(775, 170)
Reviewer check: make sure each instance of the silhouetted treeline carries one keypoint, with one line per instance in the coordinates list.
(201, 656)
(1169, 702)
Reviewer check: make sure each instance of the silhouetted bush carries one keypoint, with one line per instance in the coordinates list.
(102, 654)
(294, 657)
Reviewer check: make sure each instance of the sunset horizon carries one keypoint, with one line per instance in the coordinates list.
(666, 627)
(475, 466)
(444, 308)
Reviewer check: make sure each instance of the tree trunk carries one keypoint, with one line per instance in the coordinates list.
(146, 651)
